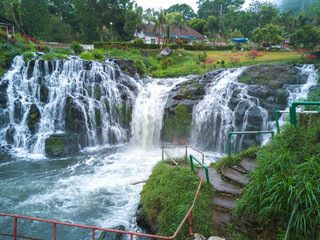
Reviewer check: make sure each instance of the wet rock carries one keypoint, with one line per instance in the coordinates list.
(75, 120)
(111, 235)
(44, 93)
(127, 66)
(30, 68)
(3, 93)
(33, 118)
(255, 119)
(61, 145)
(18, 110)
(11, 131)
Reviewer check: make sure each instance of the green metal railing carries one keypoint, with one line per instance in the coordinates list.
(247, 132)
(280, 111)
(293, 112)
(205, 168)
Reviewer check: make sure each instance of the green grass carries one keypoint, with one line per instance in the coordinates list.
(168, 195)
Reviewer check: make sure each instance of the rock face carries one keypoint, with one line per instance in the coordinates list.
(33, 118)
(166, 52)
(245, 103)
(111, 235)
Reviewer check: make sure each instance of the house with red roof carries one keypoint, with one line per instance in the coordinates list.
(187, 36)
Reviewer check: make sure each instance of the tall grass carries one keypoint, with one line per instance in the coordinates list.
(285, 186)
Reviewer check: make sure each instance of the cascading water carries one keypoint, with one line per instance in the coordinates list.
(230, 105)
(88, 101)
(148, 110)
(96, 187)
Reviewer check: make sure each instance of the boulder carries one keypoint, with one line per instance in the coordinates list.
(166, 52)
(11, 131)
(61, 145)
(44, 93)
(18, 110)
(33, 118)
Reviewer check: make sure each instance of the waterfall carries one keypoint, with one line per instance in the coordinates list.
(84, 100)
(148, 110)
(230, 105)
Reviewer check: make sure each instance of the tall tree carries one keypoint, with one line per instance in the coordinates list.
(160, 23)
(178, 22)
(307, 37)
(212, 27)
(35, 17)
(150, 15)
(197, 24)
(134, 21)
(269, 34)
(296, 5)
(184, 9)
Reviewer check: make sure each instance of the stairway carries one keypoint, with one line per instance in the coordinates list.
(228, 186)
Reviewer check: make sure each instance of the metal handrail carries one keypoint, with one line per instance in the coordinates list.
(163, 151)
(205, 168)
(186, 152)
(293, 112)
(283, 111)
(55, 223)
(247, 132)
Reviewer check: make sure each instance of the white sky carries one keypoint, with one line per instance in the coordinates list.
(164, 4)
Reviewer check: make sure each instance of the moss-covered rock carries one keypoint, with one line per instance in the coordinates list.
(61, 145)
(33, 118)
(44, 93)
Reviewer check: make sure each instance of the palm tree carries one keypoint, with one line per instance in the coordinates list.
(134, 21)
(178, 22)
(160, 23)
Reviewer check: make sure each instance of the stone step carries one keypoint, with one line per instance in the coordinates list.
(224, 203)
(248, 164)
(221, 186)
(234, 175)
(239, 169)
(220, 218)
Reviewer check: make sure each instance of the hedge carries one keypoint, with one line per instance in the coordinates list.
(208, 47)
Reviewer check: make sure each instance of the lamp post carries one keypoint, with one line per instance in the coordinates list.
(111, 31)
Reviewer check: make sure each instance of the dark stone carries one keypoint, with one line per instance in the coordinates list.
(75, 120)
(87, 65)
(44, 93)
(281, 98)
(30, 68)
(255, 119)
(257, 91)
(111, 235)
(3, 93)
(11, 131)
(18, 110)
(61, 145)
(33, 118)
(142, 221)
(127, 67)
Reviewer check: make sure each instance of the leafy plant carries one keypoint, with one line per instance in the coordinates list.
(285, 184)
(139, 43)
(27, 56)
(76, 47)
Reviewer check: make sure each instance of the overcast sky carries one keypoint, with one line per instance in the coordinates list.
(164, 4)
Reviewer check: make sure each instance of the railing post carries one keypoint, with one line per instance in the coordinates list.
(54, 231)
(162, 153)
(93, 234)
(15, 227)
(277, 121)
(191, 163)
(190, 227)
(229, 143)
(186, 156)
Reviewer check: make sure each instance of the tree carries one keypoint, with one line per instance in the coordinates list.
(269, 34)
(177, 21)
(160, 23)
(150, 15)
(35, 17)
(184, 9)
(212, 27)
(134, 21)
(197, 24)
(217, 7)
(306, 37)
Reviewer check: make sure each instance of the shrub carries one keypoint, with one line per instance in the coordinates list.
(97, 54)
(87, 56)
(76, 47)
(141, 68)
(138, 43)
(27, 56)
